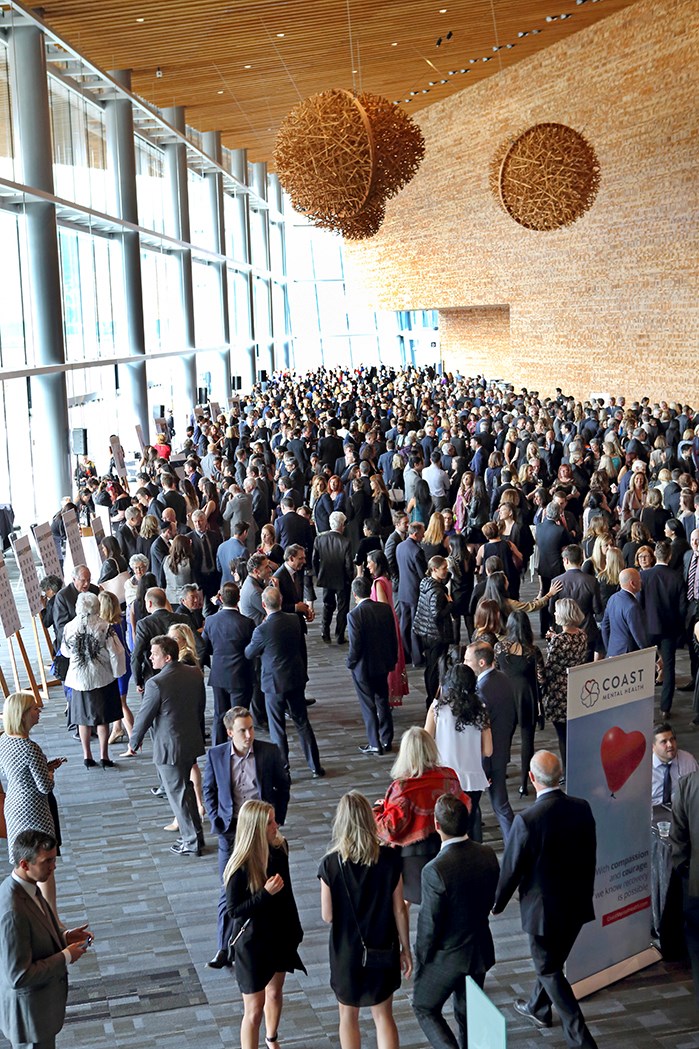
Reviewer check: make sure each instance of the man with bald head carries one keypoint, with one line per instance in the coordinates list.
(550, 858)
(66, 599)
(624, 625)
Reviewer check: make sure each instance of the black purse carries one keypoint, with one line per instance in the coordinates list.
(372, 957)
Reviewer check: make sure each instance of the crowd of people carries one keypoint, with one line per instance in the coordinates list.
(412, 506)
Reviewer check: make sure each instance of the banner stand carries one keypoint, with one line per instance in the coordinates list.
(627, 967)
(33, 688)
(45, 682)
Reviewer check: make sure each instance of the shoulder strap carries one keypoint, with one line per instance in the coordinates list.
(351, 903)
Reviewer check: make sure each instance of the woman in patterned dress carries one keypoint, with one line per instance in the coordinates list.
(565, 649)
(29, 801)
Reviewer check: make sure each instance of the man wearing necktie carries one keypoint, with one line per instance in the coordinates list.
(691, 577)
(205, 544)
(669, 764)
(35, 951)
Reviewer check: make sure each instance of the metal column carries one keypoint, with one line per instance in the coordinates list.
(245, 359)
(214, 180)
(50, 421)
(121, 152)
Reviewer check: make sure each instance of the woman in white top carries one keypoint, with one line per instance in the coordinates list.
(458, 721)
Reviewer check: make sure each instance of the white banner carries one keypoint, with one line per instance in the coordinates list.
(27, 571)
(46, 548)
(9, 616)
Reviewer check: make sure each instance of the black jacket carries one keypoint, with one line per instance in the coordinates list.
(432, 619)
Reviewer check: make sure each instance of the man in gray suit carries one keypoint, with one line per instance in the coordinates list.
(34, 951)
(684, 838)
(173, 705)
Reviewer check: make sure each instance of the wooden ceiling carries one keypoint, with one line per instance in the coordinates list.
(238, 66)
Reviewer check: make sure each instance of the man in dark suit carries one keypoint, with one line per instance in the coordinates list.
(412, 569)
(690, 571)
(291, 528)
(333, 568)
(282, 646)
(495, 689)
(373, 653)
(453, 935)
(290, 580)
(35, 951)
(158, 621)
(205, 544)
(684, 837)
(550, 857)
(170, 497)
(237, 770)
(399, 533)
(624, 624)
(160, 547)
(225, 636)
(584, 590)
(664, 600)
(66, 599)
(173, 706)
(128, 535)
(551, 537)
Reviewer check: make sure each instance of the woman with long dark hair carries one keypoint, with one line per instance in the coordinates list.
(458, 722)
(518, 657)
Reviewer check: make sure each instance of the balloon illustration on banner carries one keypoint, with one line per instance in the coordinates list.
(621, 753)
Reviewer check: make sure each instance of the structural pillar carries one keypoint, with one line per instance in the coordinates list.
(258, 181)
(214, 181)
(32, 118)
(121, 151)
(244, 357)
(276, 201)
(178, 225)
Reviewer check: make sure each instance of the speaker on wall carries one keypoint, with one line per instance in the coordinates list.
(158, 411)
(236, 382)
(79, 441)
(202, 395)
(262, 376)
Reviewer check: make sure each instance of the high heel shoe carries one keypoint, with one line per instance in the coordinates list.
(89, 763)
(273, 1042)
(107, 764)
(171, 826)
(116, 737)
(523, 792)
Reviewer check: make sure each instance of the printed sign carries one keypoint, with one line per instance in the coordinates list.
(74, 540)
(117, 455)
(46, 548)
(27, 570)
(9, 616)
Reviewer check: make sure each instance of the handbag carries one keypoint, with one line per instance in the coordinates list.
(372, 957)
(3, 823)
(234, 939)
(60, 665)
(116, 586)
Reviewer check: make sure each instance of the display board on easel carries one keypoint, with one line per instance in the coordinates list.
(46, 549)
(215, 409)
(30, 582)
(98, 533)
(141, 441)
(74, 540)
(118, 457)
(12, 629)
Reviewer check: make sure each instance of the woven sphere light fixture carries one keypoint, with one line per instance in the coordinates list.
(341, 156)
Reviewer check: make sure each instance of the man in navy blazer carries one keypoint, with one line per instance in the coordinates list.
(550, 857)
(237, 770)
(226, 636)
(495, 689)
(453, 935)
(664, 597)
(280, 643)
(373, 653)
(624, 624)
(584, 590)
(551, 537)
(412, 569)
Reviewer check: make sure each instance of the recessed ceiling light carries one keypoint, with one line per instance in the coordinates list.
(355, 70)
(247, 67)
(442, 10)
(219, 92)
(394, 44)
(280, 34)
(140, 19)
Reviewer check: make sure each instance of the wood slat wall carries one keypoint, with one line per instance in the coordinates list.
(203, 49)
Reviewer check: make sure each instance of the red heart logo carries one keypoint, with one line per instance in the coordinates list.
(621, 753)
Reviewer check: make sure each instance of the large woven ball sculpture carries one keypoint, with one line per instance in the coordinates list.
(341, 156)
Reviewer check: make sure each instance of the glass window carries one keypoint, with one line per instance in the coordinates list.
(200, 214)
(279, 311)
(262, 308)
(162, 301)
(327, 255)
(16, 453)
(236, 238)
(15, 313)
(332, 307)
(276, 247)
(150, 185)
(93, 294)
(208, 322)
(239, 306)
(258, 238)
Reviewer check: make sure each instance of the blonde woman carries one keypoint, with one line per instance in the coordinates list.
(29, 800)
(608, 578)
(260, 899)
(361, 898)
(184, 636)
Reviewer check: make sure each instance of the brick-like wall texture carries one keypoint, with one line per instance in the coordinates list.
(609, 303)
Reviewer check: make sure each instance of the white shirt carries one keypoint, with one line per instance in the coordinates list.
(33, 892)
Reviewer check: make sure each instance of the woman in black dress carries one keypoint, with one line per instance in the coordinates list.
(260, 899)
(361, 895)
(518, 657)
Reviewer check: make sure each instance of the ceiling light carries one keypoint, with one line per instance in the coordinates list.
(535, 32)
(140, 19)
(219, 92)
(496, 48)
(280, 34)
(394, 44)
(442, 10)
(247, 67)
(355, 70)
(510, 46)
(563, 17)
(522, 34)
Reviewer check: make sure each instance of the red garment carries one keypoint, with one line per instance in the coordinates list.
(163, 450)
(406, 814)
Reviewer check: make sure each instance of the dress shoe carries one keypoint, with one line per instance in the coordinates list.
(107, 764)
(89, 763)
(219, 961)
(387, 748)
(523, 792)
(180, 849)
(368, 749)
(319, 772)
(311, 702)
(342, 640)
(326, 639)
(689, 687)
(157, 792)
(520, 1006)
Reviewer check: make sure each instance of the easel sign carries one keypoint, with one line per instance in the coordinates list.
(98, 533)
(46, 548)
(215, 409)
(139, 434)
(102, 512)
(161, 426)
(73, 537)
(30, 581)
(11, 627)
(118, 456)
